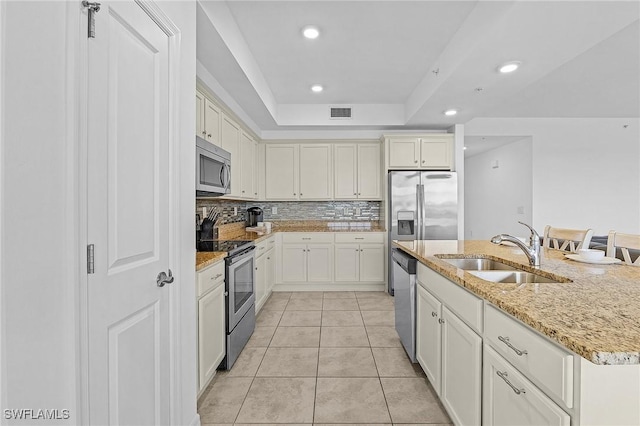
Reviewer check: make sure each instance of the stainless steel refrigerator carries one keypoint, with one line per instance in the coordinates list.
(422, 206)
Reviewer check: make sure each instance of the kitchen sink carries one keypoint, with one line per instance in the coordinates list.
(512, 277)
(471, 264)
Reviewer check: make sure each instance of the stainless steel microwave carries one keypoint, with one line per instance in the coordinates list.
(213, 169)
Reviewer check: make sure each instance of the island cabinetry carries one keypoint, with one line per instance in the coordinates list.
(211, 322)
(307, 257)
(447, 344)
(357, 171)
(427, 152)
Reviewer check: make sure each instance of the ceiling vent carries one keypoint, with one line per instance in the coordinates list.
(340, 113)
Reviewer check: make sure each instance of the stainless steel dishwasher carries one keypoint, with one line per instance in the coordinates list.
(404, 281)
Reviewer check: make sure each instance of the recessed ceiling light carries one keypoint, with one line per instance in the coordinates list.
(464, 148)
(310, 32)
(451, 112)
(509, 67)
(316, 88)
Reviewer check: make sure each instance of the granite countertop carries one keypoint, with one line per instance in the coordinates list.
(596, 315)
(207, 258)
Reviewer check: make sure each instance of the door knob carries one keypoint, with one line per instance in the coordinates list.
(163, 278)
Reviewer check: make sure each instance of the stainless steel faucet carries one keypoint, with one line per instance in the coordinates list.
(532, 250)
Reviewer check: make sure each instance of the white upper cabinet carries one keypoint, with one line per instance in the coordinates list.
(357, 171)
(316, 177)
(427, 152)
(248, 181)
(231, 142)
(200, 131)
(281, 172)
(208, 117)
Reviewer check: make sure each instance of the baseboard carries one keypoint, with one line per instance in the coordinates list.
(195, 421)
(330, 287)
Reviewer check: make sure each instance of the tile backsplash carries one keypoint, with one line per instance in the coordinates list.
(295, 210)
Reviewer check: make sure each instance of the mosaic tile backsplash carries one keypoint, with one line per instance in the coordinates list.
(294, 210)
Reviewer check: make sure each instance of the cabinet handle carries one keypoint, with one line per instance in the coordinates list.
(359, 238)
(216, 277)
(306, 238)
(505, 340)
(504, 376)
(440, 320)
(433, 314)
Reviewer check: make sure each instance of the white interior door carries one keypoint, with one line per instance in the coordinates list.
(128, 217)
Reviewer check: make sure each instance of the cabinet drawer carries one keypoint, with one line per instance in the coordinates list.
(315, 237)
(262, 247)
(210, 278)
(547, 365)
(465, 305)
(509, 398)
(359, 237)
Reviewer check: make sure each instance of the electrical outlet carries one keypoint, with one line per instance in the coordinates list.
(235, 211)
(274, 210)
(346, 212)
(357, 211)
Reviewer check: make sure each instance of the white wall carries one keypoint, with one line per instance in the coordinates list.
(586, 172)
(40, 222)
(493, 195)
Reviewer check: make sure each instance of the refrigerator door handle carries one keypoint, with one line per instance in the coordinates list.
(419, 207)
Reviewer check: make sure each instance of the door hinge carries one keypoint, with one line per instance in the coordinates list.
(90, 259)
(94, 7)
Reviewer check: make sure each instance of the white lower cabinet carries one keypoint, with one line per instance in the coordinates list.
(264, 271)
(307, 263)
(429, 335)
(359, 262)
(211, 322)
(510, 399)
(261, 281)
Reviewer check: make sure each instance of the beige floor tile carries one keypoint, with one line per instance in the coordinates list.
(350, 400)
(373, 294)
(261, 337)
(413, 401)
(343, 337)
(248, 362)
(346, 362)
(340, 305)
(301, 319)
(279, 400)
(376, 304)
(216, 424)
(311, 304)
(394, 362)
(339, 295)
(280, 295)
(307, 295)
(383, 337)
(275, 305)
(223, 402)
(301, 337)
(276, 424)
(418, 424)
(268, 318)
(353, 424)
(341, 319)
(382, 318)
(289, 362)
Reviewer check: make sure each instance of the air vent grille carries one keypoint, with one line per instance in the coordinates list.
(340, 113)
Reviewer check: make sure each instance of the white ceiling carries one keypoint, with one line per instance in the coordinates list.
(579, 59)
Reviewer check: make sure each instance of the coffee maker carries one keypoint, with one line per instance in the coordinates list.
(254, 215)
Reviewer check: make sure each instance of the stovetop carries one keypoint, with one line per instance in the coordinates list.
(230, 246)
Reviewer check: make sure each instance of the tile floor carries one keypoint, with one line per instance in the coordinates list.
(323, 358)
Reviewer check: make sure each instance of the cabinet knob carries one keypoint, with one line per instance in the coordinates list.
(433, 314)
(294, 193)
(268, 258)
(356, 249)
(355, 193)
(243, 192)
(415, 161)
(209, 135)
(440, 320)
(204, 132)
(359, 193)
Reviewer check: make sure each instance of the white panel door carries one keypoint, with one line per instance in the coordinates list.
(316, 177)
(212, 122)
(281, 172)
(129, 206)
(347, 259)
(345, 172)
(294, 263)
(369, 172)
(320, 262)
(230, 141)
(200, 107)
(461, 370)
(429, 336)
(211, 334)
(372, 262)
(404, 152)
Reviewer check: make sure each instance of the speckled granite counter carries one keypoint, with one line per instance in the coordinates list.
(206, 258)
(597, 315)
(237, 231)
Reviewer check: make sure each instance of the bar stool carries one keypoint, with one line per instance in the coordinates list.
(566, 239)
(622, 243)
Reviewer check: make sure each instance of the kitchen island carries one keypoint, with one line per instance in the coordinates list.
(577, 354)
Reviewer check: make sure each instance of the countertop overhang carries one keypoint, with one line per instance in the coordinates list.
(597, 315)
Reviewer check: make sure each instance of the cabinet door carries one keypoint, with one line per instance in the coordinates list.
(248, 188)
(200, 131)
(435, 152)
(461, 370)
(281, 172)
(231, 142)
(404, 152)
(372, 262)
(347, 258)
(429, 335)
(212, 116)
(320, 262)
(211, 334)
(346, 172)
(522, 404)
(369, 172)
(271, 270)
(294, 263)
(261, 281)
(316, 177)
